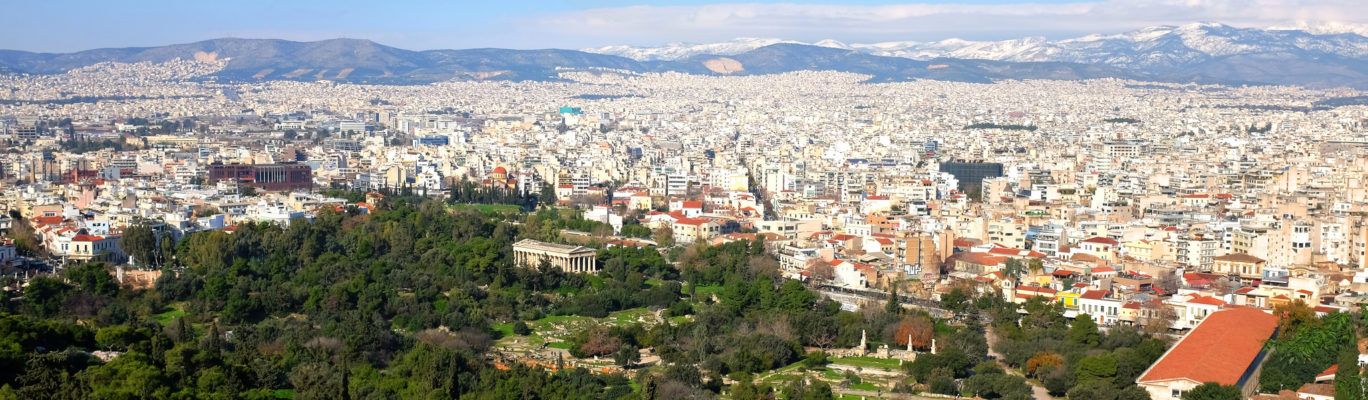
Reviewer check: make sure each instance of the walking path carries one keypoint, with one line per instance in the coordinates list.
(1038, 392)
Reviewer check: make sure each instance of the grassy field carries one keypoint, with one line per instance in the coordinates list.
(867, 362)
(505, 329)
(630, 316)
(168, 314)
(706, 290)
(284, 393)
(864, 386)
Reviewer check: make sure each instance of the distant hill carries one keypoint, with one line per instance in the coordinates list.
(1205, 53)
(1198, 52)
(788, 57)
(349, 60)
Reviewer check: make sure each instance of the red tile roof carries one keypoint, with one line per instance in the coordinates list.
(54, 220)
(1094, 294)
(982, 259)
(1219, 349)
(1211, 301)
(1329, 372)
(1040, 291)
(1101, 240)
(1008, 251)
(692, 221)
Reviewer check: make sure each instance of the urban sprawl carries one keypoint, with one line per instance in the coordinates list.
(1186, 210)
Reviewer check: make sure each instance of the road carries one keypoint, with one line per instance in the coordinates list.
(1037, 392)
(844, 294)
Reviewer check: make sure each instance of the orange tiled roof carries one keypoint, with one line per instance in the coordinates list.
(1219, 350)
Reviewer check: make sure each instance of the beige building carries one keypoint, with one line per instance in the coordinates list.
(1007, 232)
(1247, 267)
(576, 259)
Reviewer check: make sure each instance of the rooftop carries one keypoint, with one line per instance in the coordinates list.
(1220, 349)
(530, 244)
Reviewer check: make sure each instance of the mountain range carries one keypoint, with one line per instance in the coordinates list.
(1202, 52)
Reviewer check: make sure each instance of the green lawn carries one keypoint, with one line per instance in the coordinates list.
(629, 316)
(559, 345)
(867, 362)
(706, 290)
(560, 319)
(833, 375)
(168, 314)
(284, 393)
(864, 386)
(505, 329)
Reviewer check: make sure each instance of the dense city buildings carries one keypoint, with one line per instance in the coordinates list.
(264, 176)
(1189, 212)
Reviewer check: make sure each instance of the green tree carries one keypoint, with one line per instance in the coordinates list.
(627, 355)
(130, 376)
(815, 359)
(1083, 331)
(93, 278)
(1348, 379)
(140, 242)
(1013, 268)
(44, 296)
(547, 197)
(1214, 391)
(794, 297)
(1097, 368)
(955, 300)
(893, 305)
(520, 328)
(1092, 390)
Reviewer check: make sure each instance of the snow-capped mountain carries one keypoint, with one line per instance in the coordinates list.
(1205, 53)
(1160, 47)
(679, 51)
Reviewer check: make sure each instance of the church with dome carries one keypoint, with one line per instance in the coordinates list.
(501, 178)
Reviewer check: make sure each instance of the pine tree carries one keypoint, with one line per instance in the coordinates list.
(1348, 382)
(343, 391)
(212, 344)
(893, 306)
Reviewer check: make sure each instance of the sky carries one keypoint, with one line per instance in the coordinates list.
(72, 25)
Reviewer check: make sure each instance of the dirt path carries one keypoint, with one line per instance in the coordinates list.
(1037, 392)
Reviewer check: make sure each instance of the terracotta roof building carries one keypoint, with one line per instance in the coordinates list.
(1226, 348)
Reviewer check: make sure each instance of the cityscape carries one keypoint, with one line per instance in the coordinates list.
(1155, 211)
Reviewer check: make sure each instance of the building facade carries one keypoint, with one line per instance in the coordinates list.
(271, 177)
(575, 259)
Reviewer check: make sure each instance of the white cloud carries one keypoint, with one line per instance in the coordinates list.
(658, 24)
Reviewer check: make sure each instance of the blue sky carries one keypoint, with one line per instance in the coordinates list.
(57, 25)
